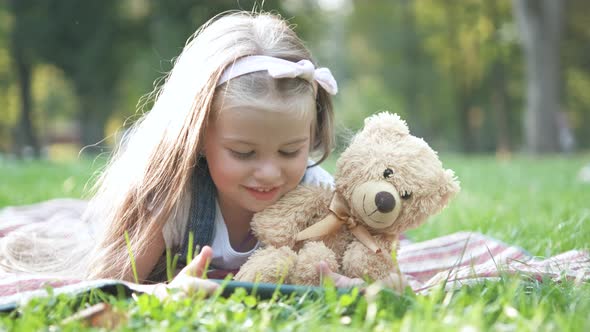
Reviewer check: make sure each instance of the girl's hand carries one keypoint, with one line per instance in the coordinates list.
(189, 279)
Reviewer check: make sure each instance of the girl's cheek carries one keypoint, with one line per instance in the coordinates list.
(301, 167)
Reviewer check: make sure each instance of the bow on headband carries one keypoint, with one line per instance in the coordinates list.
(339, 215)
(280, 68)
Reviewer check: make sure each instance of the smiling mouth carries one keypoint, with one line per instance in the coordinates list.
(263, 194)
(262, 190)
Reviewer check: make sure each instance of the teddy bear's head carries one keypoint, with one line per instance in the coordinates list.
(391, 180)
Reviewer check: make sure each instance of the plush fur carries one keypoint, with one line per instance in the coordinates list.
(392, 181)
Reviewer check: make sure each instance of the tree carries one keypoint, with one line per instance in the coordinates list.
(24, 133)
(540, 25)
(93, 43)
(87, 42)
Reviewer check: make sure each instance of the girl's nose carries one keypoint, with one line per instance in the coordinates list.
(268, 172)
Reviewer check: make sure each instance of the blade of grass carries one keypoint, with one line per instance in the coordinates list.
(189, 255)
(131, 257)
(169, 272)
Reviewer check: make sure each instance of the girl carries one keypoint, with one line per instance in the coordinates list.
(230, 132)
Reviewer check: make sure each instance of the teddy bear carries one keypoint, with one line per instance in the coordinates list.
(386, 182)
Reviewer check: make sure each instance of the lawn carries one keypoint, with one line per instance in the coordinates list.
(535, 203)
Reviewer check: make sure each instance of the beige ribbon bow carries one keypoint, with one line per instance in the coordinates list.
(280, 68)
(339, 215)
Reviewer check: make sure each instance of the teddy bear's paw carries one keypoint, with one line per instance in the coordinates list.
(269, 265)
(360, 262)
(395, 281)
(306, 270)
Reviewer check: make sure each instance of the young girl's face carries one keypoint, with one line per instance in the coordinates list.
(255, 156)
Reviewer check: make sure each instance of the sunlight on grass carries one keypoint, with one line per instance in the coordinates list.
(28, 182)
(535, 203)
(508, 305)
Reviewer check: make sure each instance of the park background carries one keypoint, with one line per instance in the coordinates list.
(499, 88)
(491, 77)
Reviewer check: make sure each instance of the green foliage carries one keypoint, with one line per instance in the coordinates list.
(7, 86)
(508, 304)
(453, 69)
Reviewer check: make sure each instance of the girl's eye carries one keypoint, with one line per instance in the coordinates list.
(290, 154)
(242, 155)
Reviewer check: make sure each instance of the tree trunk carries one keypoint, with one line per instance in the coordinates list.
(499, 108)
(540, 24)
(464, 104)
(461, 92)
(25, 138)
(94, 113)
(411, 60)
(499, 93)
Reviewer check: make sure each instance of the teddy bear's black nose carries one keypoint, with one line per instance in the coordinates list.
(384, 201)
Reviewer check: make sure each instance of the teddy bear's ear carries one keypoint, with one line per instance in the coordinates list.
(451, 187)
(387, 122)
(430, 204)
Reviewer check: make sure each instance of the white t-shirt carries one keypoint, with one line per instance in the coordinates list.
(224, 256)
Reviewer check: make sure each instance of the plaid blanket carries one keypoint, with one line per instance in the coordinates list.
(467, 257)
(457, 259)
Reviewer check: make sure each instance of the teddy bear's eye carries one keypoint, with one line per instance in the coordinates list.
(406, 194)
(387, 173)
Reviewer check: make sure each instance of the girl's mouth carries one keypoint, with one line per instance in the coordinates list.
(263, 194)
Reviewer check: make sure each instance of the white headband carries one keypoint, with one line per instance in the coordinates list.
(279, 68)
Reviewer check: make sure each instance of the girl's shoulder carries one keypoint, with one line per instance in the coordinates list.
(317, 176)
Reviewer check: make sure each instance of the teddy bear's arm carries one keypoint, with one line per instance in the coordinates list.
(359, 262)
(269, 264)
(279, 224)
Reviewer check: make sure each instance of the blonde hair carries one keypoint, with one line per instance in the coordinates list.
(147, 182)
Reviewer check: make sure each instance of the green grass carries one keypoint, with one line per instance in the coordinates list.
(34, 181)
(535, 203)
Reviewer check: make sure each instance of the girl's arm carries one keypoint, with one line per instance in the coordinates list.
(113, 262)
(187, 281)
(147, 260)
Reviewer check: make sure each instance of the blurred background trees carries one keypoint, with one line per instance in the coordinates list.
(472, 76)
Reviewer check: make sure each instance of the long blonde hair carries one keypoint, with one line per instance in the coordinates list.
(147, 182)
